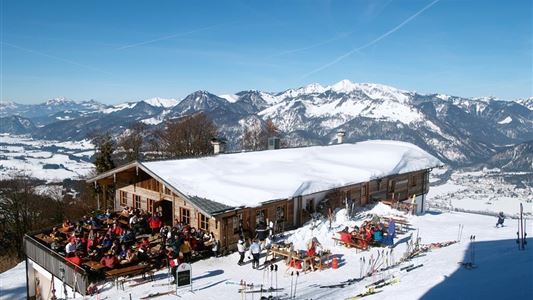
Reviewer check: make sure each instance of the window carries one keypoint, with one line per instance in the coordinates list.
(413, 180)
(185, 216)
(235, 222)
(151, 205)
(280, 219)
(123, 198)
(391, 186)
(280, 214)
(203, 222)
(260, 216)
(136, 201)
(167, 191)
(310, 205)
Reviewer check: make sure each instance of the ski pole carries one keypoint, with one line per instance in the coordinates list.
(276, 270)
(271, 274)
(292, 273)
(296, 284)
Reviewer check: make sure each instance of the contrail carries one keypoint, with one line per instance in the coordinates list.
(56, 58)
(331, 40)
(170, 36)
(386, 34)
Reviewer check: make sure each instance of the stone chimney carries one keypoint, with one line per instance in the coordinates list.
(219, 146)
(340, 137)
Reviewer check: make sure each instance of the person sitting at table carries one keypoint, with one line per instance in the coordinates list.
(56, 234)
(117, 230)
(134, 219)
(125, 211)
(94, 223)
(109, 260)
(115, 248)
(155, 224)
(345, 237)
(80, 244)
(67, 226)
(74, 257)
(123, 251)
(107, 242)
(70, 247)
(144, 243)
(130, 258)
(127, 237)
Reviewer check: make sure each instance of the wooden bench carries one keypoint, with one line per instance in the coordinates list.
(363, 246)
(115, 274)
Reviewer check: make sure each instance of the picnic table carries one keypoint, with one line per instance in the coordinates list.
(275, 252)
(94, 265)
(115, 274)
(45, 238)
(65, 230)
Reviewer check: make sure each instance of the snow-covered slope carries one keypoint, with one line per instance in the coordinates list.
(502, 271)
(162, 102)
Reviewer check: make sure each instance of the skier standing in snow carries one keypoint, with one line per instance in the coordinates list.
(255, 250)
(241, 249)
(501, 218)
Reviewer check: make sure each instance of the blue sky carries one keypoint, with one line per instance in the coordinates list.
(115, 51)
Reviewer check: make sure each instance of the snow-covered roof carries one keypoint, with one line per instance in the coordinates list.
(250, 178)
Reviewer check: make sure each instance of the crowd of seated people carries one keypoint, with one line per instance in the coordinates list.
(370, 233)
(130, 237)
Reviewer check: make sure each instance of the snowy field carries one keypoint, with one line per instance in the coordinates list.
(503, 272)
(484, 192)
(48, 160)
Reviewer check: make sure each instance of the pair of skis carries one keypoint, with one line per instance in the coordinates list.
(372, 289)
(521, 234)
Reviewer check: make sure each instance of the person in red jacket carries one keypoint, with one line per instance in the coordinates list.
(155, 223)
(109, 261)
(74, 258)
(117, 230)
(173, 263)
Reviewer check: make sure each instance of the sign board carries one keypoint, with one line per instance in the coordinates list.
(184, 275)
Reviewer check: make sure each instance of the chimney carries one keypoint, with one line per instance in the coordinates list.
(219, 146)
(340, 137)
(273, 143)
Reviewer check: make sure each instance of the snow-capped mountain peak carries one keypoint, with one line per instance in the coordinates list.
(230, 97)
(312, 88)
(162, 102)
(344, 86)
(527, 102)
(58, 101)
(372, 90)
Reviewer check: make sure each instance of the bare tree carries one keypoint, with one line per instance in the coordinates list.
(22, 209)
(133, 141)
(255, 136)
(189, 136)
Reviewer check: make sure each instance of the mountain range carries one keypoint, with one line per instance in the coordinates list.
(458, 130)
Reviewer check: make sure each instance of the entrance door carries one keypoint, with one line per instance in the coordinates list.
(165, 207)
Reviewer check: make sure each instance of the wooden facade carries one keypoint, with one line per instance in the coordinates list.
(139, 189)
